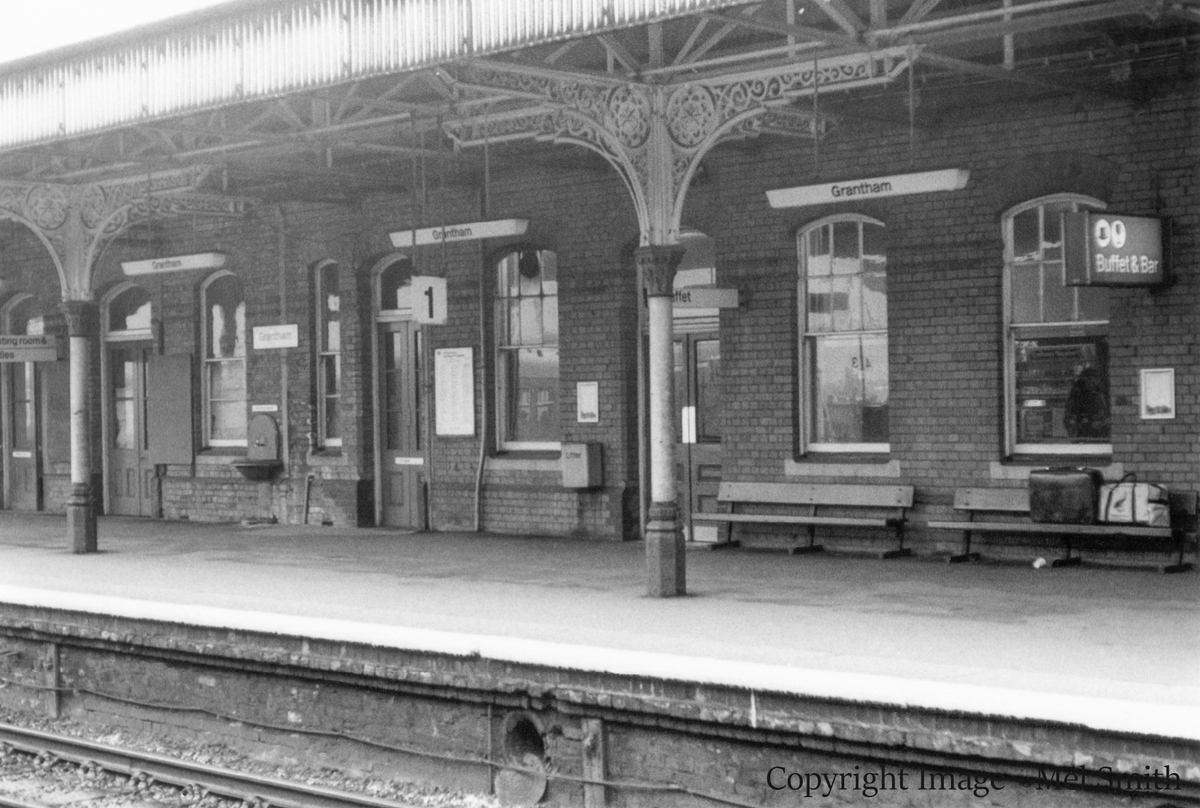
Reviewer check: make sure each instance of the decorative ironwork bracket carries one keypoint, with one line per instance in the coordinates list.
(74, 221)
(655, 135)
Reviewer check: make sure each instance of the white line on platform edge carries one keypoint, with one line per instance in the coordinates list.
(1166, 720)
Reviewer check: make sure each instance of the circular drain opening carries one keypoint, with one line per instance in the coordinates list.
(525, 750)
(522, 738)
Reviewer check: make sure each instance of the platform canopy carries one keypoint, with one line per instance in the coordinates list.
(328, 99)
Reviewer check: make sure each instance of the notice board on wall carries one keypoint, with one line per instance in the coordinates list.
(454, 391)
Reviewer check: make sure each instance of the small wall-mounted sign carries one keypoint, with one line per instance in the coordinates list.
(1158, 393)
(454, 391)
(264, 408)
(276, 336)
(921, 182)
(23, 454)
(468, 231)
(706, 298)
(408, 461)
(1112, 249)
(587, 402)
(428, 299)
(28, 348)
(174, 263)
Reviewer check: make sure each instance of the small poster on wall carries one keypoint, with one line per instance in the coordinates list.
(1158, 393)
(587, 402)
(454, 391)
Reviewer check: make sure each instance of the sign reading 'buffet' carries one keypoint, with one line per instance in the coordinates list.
(1112, 249)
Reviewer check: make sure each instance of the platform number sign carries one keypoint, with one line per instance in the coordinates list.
(428, 299)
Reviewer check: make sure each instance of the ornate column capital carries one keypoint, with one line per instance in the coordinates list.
(82, 316)
(658, 263)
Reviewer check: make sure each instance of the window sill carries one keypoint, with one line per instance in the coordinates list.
(333, 456)
(218, 457)
(842, 466)
(1018, 468)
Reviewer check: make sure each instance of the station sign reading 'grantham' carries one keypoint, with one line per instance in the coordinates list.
(1111, 249)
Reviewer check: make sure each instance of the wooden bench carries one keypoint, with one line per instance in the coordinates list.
(809, 505)
(1013, 505)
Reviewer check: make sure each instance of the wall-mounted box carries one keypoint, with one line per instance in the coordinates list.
(582, 465)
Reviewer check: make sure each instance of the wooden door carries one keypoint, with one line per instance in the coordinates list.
(400, 425)
(24, 465)
(131, 483)
(698, 396)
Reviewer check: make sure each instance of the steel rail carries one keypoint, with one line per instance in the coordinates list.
(179, 773)
(9, 802)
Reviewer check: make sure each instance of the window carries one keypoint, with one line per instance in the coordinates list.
(129, 315)
(224, 361)
(844, 339)
(527, 350)
(1056, 398)
(25, 318)
(327, 343)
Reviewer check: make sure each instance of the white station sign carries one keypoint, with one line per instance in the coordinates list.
(702, 297)
(276, 336)
(21, 348)
(174, 263)
(468, 231)
(922, 182)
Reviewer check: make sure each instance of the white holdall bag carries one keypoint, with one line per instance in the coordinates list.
(1132, 503)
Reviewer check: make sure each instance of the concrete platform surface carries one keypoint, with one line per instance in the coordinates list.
(1113, 649)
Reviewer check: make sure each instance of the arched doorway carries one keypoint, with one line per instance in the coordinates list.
(400, 431)
(128, 347)
(35, 409)
(698, 398)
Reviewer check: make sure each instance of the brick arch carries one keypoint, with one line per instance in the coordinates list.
(1047, 173)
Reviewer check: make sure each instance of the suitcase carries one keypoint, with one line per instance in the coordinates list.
(1064, 496)
(1132, 503)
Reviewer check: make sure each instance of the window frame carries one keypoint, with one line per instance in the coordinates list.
(1014, 332)
(501, 390)
(806, 346)
(321, 354)
(208, 441)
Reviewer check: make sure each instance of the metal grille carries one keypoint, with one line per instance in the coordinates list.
(261, 53)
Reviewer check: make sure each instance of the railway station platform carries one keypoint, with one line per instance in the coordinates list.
(1096, 649)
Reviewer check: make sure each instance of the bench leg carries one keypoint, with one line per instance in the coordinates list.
(811, 547)
(1068, 560)
(901, 551)
(1180, 565)
(966, 554)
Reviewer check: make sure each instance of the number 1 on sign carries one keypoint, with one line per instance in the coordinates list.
(428, 299)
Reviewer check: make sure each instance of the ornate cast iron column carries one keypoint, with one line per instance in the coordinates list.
(83, 330)
(665, 569)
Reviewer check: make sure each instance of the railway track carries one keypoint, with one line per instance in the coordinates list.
(194, 781)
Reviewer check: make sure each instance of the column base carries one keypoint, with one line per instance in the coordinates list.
(81, 521)
(665, 559)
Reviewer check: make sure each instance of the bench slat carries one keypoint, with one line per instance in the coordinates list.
(856, 495)
(1049, 529)
(785, 519)
(1013, 500)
